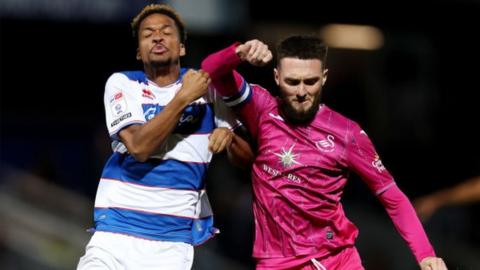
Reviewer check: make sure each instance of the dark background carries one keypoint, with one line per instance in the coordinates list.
(416, 97)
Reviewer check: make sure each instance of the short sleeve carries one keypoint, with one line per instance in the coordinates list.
(121, 107)
(364, 161)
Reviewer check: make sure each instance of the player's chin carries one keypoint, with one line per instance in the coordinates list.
(160, 62)
(302, 108)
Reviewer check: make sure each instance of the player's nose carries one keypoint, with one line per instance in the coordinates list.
(301, 90)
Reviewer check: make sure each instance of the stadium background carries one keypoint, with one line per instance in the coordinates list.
(416, 95)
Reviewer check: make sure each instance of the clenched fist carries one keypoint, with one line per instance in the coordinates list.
(195, 84)
(255, 52)
(219, 139)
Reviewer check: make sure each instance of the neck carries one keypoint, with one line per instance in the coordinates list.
(162, 75)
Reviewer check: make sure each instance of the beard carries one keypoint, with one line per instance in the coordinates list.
(298, 117)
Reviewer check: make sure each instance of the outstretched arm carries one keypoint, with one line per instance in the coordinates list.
(463, 193)
(409, 227)
(364, 160)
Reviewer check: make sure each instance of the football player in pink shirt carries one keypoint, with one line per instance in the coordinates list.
(304, 153)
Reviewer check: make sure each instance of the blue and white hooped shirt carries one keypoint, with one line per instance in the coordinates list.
(163, 198)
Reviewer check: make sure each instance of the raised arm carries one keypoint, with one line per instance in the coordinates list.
(221, 65)
(245, 99)
(142, 140)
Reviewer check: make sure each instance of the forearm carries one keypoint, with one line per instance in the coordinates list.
(220, 66)
(240, 153)
(222, 62)
(406, 222)
(144, 140)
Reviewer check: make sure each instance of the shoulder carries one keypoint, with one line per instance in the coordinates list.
(125, 76)
(261, 92)
(335, 116)
(338, 121)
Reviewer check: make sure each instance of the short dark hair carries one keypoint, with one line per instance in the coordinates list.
(160, 9)
(303, 47)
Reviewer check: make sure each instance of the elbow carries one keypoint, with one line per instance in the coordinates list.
(140, 155)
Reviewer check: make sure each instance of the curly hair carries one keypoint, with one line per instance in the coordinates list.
(160, 9)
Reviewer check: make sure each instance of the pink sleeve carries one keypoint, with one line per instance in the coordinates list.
(237, 93)
(363, 159)
(220, 66)
(406, 222)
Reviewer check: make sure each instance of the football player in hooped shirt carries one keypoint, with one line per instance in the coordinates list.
(165, 123)
(304, 153)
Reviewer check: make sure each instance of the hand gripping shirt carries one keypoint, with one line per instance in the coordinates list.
(299, 173)
(163, 198)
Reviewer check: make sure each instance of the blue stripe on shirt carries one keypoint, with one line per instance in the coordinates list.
(156, 173)
(144, 225)
(154, 226)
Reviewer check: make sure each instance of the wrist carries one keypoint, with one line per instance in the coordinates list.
(182, 100)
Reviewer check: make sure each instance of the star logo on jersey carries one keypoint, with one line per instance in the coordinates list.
(287, 157)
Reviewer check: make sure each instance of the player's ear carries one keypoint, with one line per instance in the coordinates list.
(138, 57)
(276, 76)
(182, 49)
(325, 75)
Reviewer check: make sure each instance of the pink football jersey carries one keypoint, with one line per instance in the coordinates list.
(300, 171)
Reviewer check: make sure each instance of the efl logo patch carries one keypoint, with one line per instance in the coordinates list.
(118, 105)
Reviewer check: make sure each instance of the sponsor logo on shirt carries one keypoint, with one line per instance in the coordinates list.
(187, 119)
(150, 112)
(326, 145)
(191, 118)
(148, 94)
(120, 119)
(377, 164)
(289, 176)
(287, 157)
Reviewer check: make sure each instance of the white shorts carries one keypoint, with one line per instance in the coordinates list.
(121, 252)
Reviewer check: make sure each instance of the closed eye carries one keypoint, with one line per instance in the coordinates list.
(147, 33)
(311, 81)
(292, 82)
